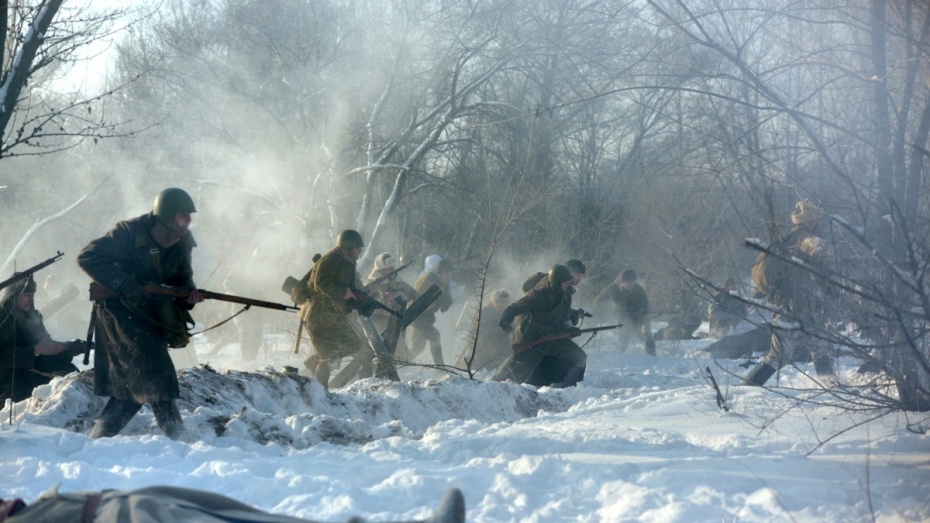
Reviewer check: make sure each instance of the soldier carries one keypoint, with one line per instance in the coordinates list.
(574, 265)
(546, 310)
(493, 345)
(326, 295)
(438, 272)
(796, 292)
(131, 362)
(628, 300)
(28, 355)
(385, 292)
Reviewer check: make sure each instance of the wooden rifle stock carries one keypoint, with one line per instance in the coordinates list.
(522, 346)
(99, 292)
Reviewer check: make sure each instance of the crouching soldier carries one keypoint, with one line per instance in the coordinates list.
(28, 355)
(546, 310)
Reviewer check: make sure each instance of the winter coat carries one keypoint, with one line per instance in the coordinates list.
(546, 309)
(393, 286)
(798, 289)
(442, 303)
(493, 345)
(131, 359)
(632, 306)
(325, 315)
(21, 370)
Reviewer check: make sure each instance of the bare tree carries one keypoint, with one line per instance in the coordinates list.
(37, 41)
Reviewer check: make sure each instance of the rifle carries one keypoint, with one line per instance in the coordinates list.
(30, 271)
(522, 346)
(99, 292)
(377, 281)
(366, 304)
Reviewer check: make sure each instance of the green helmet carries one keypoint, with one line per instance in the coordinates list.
(172, 201)
(349, 239)
(559, 274)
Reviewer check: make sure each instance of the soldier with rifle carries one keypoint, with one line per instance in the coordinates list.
(385, 284)
(326, 295)
(29, 357)
(131, 361)
(544, 354)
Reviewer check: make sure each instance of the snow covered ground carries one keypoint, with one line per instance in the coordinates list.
(642, 439)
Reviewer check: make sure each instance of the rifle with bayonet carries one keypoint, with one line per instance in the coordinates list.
(522, 346)
(30, 271)
(99, 292)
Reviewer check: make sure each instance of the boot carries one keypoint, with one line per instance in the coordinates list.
(450, 510)
(823, 366)
(168, 418)
(759, 375)
(116, 415)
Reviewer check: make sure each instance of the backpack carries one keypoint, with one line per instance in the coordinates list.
(770, 267)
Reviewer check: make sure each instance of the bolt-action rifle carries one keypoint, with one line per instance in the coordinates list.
(30, 271)
(377, 281)
(522, 346)
(99, 292)
(365, 303)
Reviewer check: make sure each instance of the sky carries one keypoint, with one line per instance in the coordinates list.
(640, 439)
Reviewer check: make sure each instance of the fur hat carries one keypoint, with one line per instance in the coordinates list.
(628, 275)
(24, 286)
(385, 261)
(431, 263)
(500, 296)
(806, 211)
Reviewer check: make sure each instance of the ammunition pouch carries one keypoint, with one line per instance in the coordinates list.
(175, 321)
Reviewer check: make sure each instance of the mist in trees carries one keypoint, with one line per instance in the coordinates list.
(654, 135)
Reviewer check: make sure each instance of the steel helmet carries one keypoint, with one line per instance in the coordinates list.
(349, 239)
(172, 201)
(559, 274)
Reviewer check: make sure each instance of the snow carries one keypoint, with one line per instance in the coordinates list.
(641, 439)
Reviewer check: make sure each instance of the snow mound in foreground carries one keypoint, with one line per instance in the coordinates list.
(295, 411)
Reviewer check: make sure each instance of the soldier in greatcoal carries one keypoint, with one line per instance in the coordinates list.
(29, 357)
(546, 310)
(134, 331)
(326, 295)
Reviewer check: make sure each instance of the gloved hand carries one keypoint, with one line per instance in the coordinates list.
(506, 325)
(132, 293)
(573, 331)
(76, 347)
